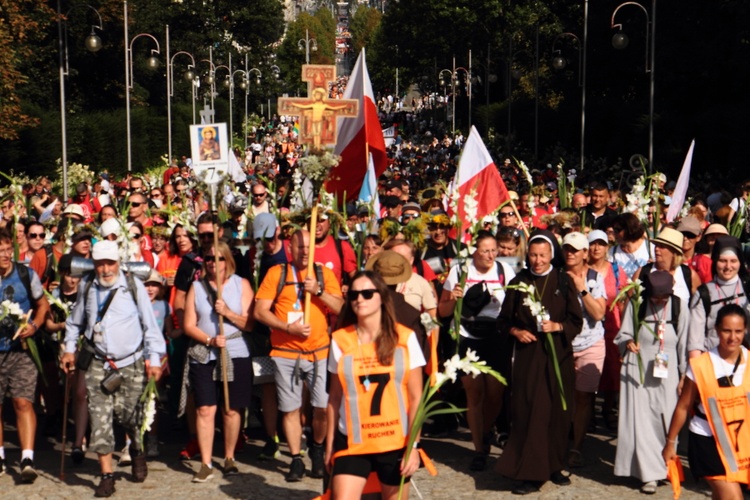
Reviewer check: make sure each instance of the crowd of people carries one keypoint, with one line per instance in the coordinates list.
(138, 282)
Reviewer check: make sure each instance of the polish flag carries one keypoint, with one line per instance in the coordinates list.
(477, 172)
(360, 139)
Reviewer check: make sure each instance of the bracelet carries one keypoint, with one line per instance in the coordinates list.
(320, 291)
(671, 441)
(415, 446)
(31, 322)
(208, 341)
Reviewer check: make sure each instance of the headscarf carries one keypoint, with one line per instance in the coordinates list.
(549, 237)
(729, 243)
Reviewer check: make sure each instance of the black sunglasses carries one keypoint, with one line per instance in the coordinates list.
(35, 235)
(258, 195)
(136, 204)
(506, 214)
(211, 258)
(510, 231)
(434, 227)
(137, 236)
(205, 235)
(367, 294)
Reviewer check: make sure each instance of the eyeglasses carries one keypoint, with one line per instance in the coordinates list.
(155, 195)
(211, 259)
(366, 294)
(35, 235)
(689, 236)
(258, 195)
(136, 204)
(205, 235)
(435, 227)
(506, 214)
(9, 251)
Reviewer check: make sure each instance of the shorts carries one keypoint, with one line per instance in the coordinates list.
(703, 457)
(209, 392)
(489, 349)
(18, 374)
(289, 383)
(386, 465)
(589, 364)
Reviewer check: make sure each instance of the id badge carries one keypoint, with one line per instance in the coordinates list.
(661, 365)
(294, 316)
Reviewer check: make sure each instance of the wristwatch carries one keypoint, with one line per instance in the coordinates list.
(584, 292)
(319, 292)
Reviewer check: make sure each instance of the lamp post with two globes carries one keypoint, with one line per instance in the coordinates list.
(93, 44)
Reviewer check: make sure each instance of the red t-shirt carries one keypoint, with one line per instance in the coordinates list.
(327, 255)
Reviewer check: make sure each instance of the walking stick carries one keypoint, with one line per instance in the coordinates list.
(223, 350)
(311, 259)
(64, 427)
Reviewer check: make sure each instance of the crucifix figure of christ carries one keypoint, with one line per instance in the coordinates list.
(318, 113)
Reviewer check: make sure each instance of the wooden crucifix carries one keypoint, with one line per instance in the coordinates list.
(318, 113)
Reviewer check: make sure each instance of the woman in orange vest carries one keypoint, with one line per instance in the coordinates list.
(716, 387)
(376, 386)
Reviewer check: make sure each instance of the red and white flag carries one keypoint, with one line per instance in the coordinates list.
(680, 190)
(477, 172)
(360, 139)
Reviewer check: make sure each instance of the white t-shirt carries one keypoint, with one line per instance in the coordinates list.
(592, 331)
(494, 285)
(416, 360)
(700, 425)
(418, 293)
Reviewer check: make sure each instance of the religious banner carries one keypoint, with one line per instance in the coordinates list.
(317, 113)
(209, 147)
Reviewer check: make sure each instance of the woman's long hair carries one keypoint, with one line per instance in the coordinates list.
(385, 343)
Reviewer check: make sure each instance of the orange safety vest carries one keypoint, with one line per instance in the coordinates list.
(375, 396)
(726, 408)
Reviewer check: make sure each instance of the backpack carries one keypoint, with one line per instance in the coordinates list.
(283, 282)
(705, 297)
(686, 273)
(676, 306)
(25, 277)
(49, 270)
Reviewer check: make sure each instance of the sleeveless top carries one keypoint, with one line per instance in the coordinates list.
(208, 320)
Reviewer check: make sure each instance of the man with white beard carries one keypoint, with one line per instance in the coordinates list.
(120, 332)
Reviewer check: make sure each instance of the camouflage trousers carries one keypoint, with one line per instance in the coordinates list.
(123, 405)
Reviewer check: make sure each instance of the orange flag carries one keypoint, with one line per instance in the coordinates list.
(675, 474)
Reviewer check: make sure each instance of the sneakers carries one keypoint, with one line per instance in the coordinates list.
(270, 450)
(106, 487)
(152, 446)
(190, 451)
(317, 457)
(125, 458)
(230, 468)
(296, 471)
(204, 474)
(28, 474)
(139, 467)
(77, 455)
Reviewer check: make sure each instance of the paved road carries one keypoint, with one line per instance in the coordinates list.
(170, 478)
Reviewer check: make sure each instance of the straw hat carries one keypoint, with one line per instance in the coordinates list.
(670, 238)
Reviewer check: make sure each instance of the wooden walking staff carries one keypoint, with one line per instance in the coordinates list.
(311, 256)
(518, 216)
(223, 350)
(64, 426)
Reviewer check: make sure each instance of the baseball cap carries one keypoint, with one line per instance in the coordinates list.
(264, 226)
(576, 240)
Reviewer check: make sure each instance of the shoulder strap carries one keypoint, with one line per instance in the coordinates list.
(500, 273)
(591, 275)
(676, 306)
(282, 281)
(49, 266)
(562, 282)
(705, 298)
(646, 269)
(616, 271)
(688, 275)
(319, 275)
(210, 292)
(23, 274)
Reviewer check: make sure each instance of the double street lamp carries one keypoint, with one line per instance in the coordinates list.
(307, 43)
(620, 41)
(93, 44)
(453, 75)
(153, 63)
(245, 85)
(559, 63)
(189, 76)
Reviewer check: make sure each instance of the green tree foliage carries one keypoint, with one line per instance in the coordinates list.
(363, 27)
(322, 28)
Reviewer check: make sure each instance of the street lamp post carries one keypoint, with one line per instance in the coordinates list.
(211, 77)
(307, 43)
(467, 73)
(444, 84)
(189, 76)
(245, 85)
(153, 62)
(620, 41)
(559, 63)
(93, 44)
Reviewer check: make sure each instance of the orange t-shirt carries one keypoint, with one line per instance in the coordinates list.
(285, 303)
